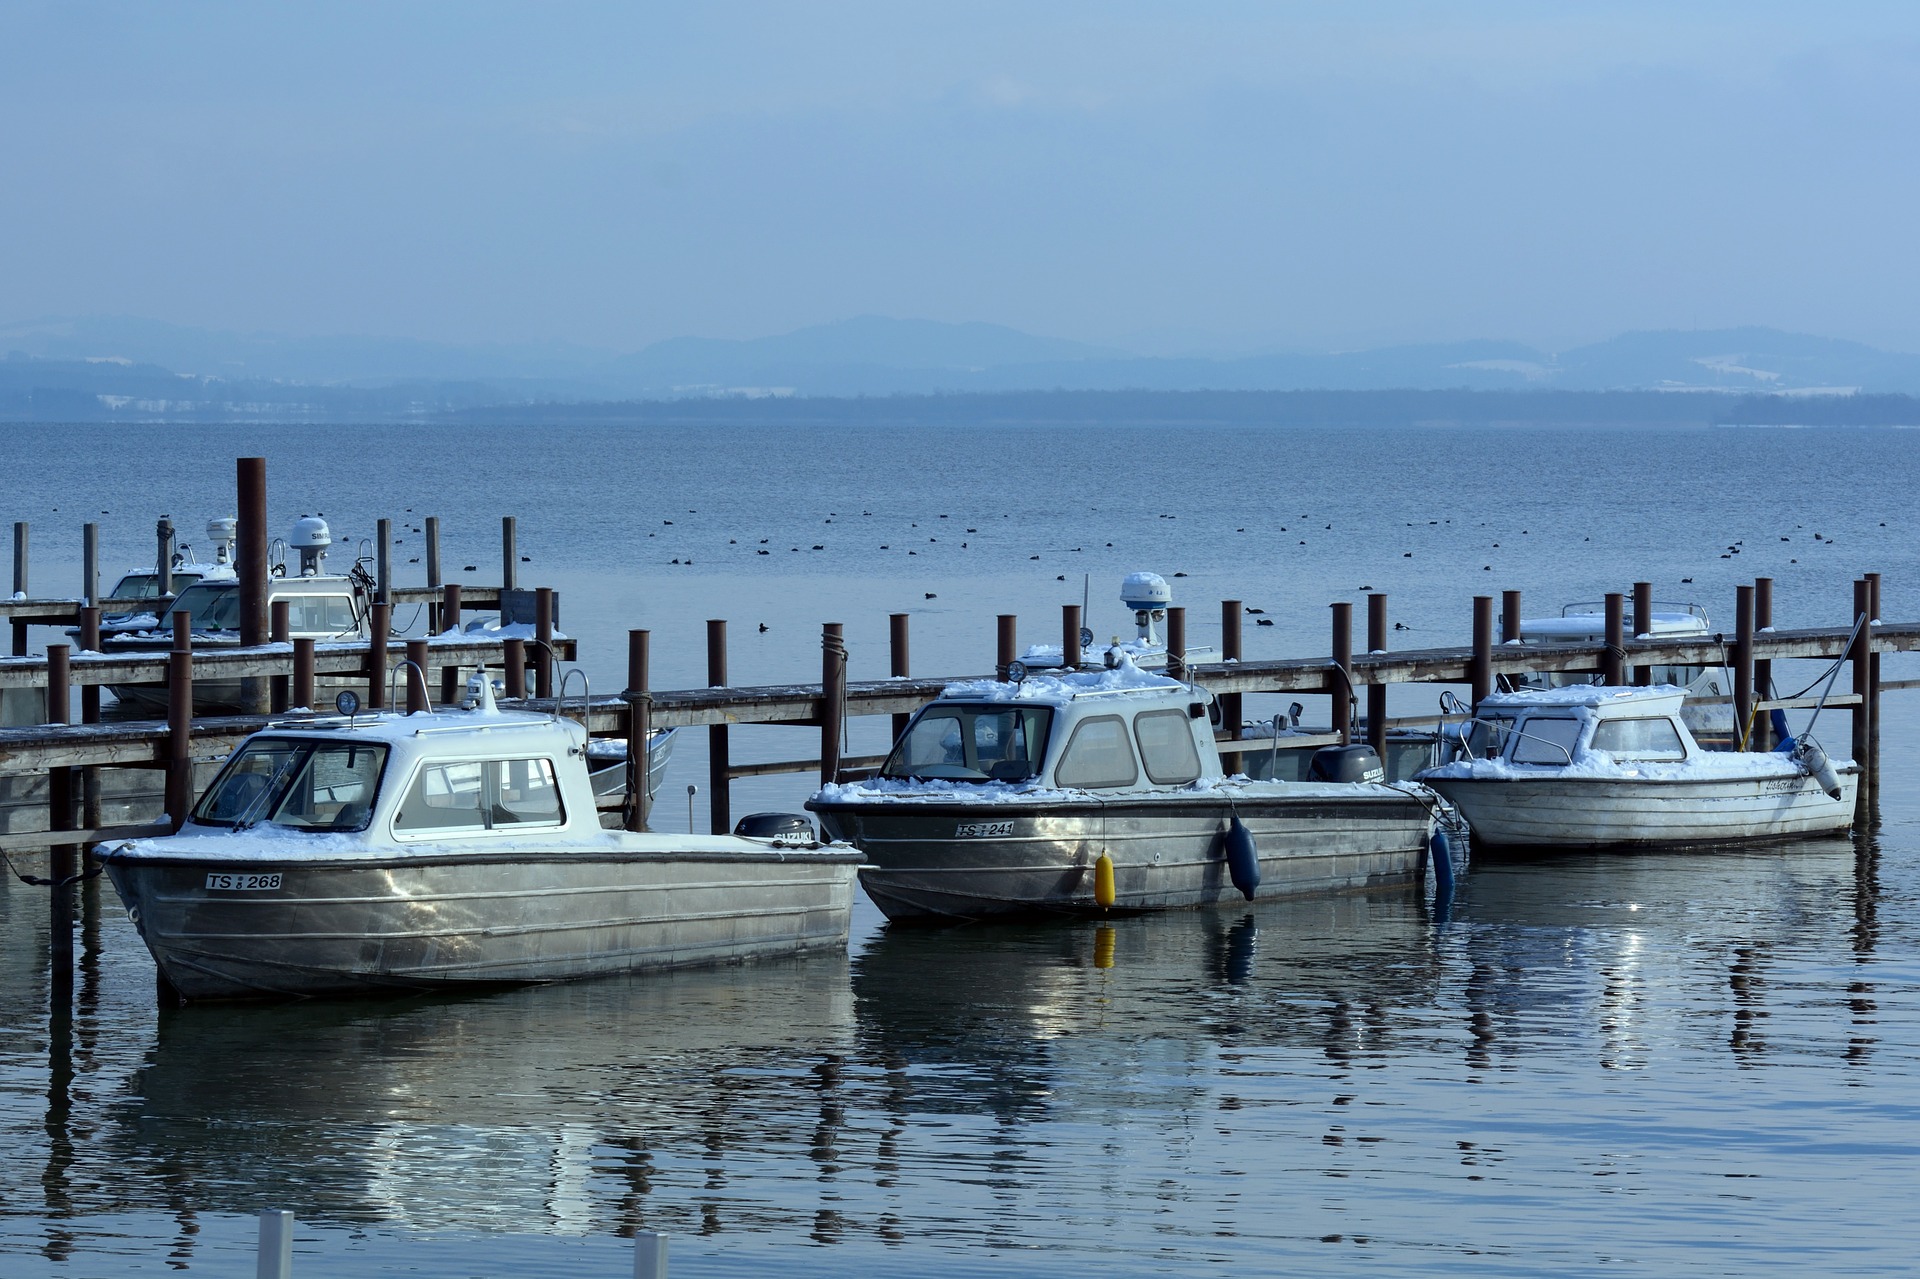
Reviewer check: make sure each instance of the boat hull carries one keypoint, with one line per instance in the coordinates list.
(932, 861)
(1590, 813)
(349, 927)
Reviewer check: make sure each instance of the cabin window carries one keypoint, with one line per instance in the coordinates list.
(972, 744)
(1487, 736)
(472, 795)
(312, 786)
(320, 614)
(212, 607)
(1544, 739)
(146, 586)
(1166, 746)
(1650, 738)
(1098, 754)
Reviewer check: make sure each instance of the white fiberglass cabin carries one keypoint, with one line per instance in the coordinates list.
(1586, 623)
(1589, 766)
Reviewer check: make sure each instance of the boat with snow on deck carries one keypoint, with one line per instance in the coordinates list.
(1100, 790)
(1589, 766)
(452, 850)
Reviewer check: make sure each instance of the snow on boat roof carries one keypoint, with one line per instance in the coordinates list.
(1124, 678)
(1598, 697)
(1593, 626)
(400, 727)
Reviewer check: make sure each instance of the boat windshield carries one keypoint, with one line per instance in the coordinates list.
(1487, 736)
(961, 743)
(146, 586)
(214, 607)
(301, 785)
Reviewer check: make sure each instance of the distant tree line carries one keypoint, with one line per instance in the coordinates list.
(1821, 410)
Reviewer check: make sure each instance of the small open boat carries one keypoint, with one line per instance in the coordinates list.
(450, 850)
(1588, 766)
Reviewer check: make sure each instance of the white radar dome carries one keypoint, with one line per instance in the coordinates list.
(310, 533)
(1145, 591)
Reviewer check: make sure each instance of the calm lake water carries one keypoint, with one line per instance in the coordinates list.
(1699, 1064)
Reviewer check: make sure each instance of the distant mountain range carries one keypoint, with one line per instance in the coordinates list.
(88, 367)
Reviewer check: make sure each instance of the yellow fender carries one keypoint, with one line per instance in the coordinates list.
(1103, 882)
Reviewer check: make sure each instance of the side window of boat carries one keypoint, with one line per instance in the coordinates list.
(1166, 746)
(1487, 736)
(1650, 738)
(524, 792)
(444, 797)
(319, 614)
(1098, 754)
(1546, 739)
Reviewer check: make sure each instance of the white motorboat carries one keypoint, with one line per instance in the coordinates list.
(451, 850)
(1586, 623)
(1102, 789)
(1588, 766)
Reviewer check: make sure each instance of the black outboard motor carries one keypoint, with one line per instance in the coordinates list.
(1345, 764)
(782, 828)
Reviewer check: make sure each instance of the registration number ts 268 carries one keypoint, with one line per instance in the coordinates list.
(243, 883)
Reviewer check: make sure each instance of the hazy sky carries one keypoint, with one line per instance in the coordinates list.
(1266, 173)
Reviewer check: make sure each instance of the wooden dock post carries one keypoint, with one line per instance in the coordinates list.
(1742, 665)
(898, 664)
(1862, 680)
(1643, 626)
(509, 556)
(180, 720)
(280, 631)
(62, 859)
(450, 607)
(1177, 642)
(1762, 738)
(90, 714)
(90, 563)
(513, 652)
(1070, 654)
(543, 642)
(1232, 635)
(719, 758)
(639, 698)
(383, 560)
(833, 698)
(163, 556)
(1613, 663)
(302, 692)
(1340, 680)
(20, 584)
(1480, 671)
(59, 711)
(250, 479)
(1873, 681)
(1377, 693)
(378, 632)
(418, 690)
(434, 582)
(1509, 617)
(1007, 644)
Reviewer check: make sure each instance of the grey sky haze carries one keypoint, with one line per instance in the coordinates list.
(1258, 175)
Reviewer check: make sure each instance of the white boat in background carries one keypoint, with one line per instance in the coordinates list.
(1586, 623)
(1588, 766)
(1148, 596)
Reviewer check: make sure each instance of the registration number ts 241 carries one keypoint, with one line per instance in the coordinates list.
(243, 883)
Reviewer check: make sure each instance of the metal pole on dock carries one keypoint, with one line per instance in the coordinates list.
(1742, 665)
(1070, 654)
(639, 726)
(719, 781)
(1643, 626)
(418, 690)
(1377, 693)
(377, 634)
(180, 720)
(434, 624)
(833, 696)
(90, 714)
(1613, 663)
(1177, 642)
(250, 474)
(20, 584)
(1340, 682)
(1862, 680)
(383, 561)
(61, 858)
(1007, 646)
(1762, 735)
(1481, 670)
(450, 607)
(163, 556)
(1232, 613)
(898, 664)
(514, 654)
(543, 634)
(1873, 680)
(280, 630)
(302, 692)
(509, 559)
(90, 563)
(1509, 617)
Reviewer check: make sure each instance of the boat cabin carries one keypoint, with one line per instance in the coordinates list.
(1089, 730)
(1556, 728)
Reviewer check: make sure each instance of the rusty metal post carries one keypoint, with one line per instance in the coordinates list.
(1377, 692)
(514, 654)
(378, 633)
(833, 698)
(163, 557)
(59, 711)
(1859, 654)
(898, 662)
(719, 758)
(1872, 763)
(1231, 636)
(90, 714)
(90, 563)
(1070, 654)
(1509, 617)
(251, 565)
(450, 607)
(383, 561)
(20, 584)
(1007, 647)
(180, 721)
(280, 631)
(639, 698)
(543, 647)
(61, 858)
(1340, 681)
(434, 581)
(302, 692)
(1177, 642)
(1742, 665)
(1480, 669)
(509, 553)
(419, 691)
(1613, 662)
(1762, 738)
(1643, 626)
